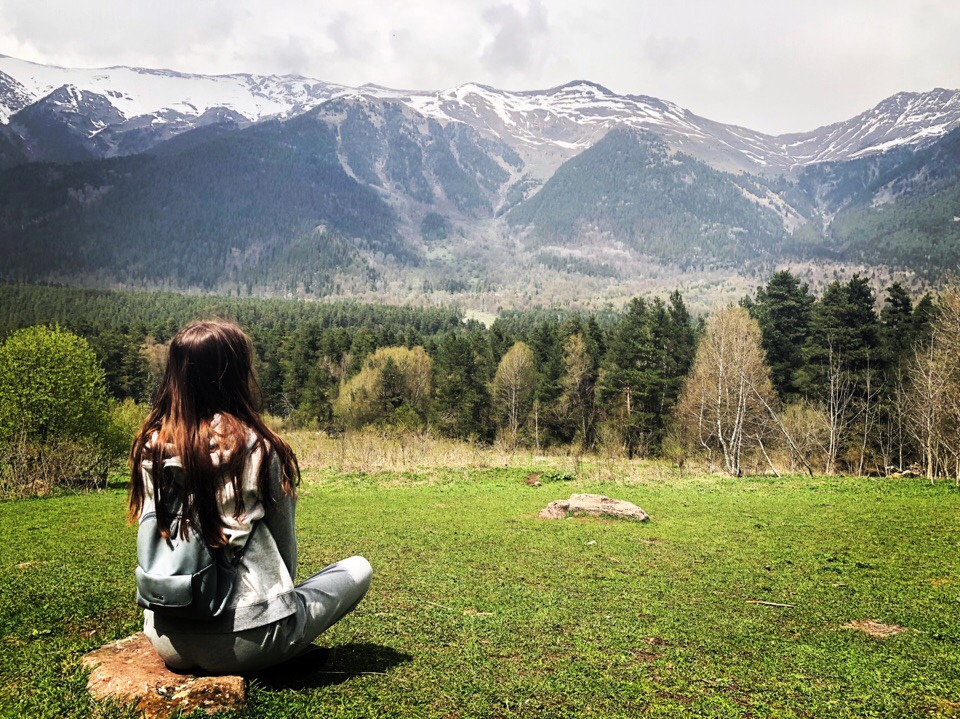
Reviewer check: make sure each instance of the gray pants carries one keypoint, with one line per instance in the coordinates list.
(322, 600)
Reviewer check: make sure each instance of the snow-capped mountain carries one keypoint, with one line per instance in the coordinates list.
(567, 119)
(13, 97)
(141, 108)
(548, 127)
(422, 164)
(130, 110)
(137, 91)
(265, 176)
(66, 125)
(907, 118)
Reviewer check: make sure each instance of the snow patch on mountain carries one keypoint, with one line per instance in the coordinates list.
(907, 118)
(13, 97)
(137, 91)
(569, 115)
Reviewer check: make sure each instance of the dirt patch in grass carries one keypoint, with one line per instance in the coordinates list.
(875, 629)
(950, 708)
(28, 565)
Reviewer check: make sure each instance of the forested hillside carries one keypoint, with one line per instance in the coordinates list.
(238, 209)
(630, 187)
(898, 209)
(921, 233)
(296, 206)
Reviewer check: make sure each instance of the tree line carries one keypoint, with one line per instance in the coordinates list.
(785, 380)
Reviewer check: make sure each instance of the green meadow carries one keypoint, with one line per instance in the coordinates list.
(481, 609)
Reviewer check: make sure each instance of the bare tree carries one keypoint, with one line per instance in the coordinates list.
(804, 426)
(932, 398)
(868, 414)
(723, 404)
(894, 438)
(841, 389)
(946, 341)
(925, 408)
(578, 388)
(512, 389)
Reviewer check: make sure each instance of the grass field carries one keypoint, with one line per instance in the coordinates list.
(480, 609)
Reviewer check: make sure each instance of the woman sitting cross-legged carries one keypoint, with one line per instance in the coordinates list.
(205, 443)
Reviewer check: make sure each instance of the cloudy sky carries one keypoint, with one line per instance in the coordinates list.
(772, 65)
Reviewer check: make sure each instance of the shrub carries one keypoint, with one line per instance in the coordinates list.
(29, 468)
(55, 425)
(51, 386)
(123, 422)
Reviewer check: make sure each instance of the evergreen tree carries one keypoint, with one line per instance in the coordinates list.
(545, 341)
(783, 311)
(117, 349)
(499, 340)
(623, 379)
(844, 367)
(896, 330)
(596, 341)
(921, 323)
(461, 400)
(297, 357)
(649, 351)
(844, 329)
(680, 348)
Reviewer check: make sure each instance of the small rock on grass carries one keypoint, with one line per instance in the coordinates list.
(595, 505)
(130, 671)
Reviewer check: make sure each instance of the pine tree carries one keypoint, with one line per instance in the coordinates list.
(843, 367)
(461, 399)
(783, 311)
(921, 323)
(844, 329)
(896, 328)
(624, 381)
(546, 343)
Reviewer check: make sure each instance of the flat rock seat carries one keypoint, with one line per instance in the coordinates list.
(129, 671)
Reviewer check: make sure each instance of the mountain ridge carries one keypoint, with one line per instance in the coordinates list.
(546, 126)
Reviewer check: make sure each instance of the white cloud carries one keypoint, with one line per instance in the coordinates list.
(519, 38)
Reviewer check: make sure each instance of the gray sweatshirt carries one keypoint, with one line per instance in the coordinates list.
(264, 587)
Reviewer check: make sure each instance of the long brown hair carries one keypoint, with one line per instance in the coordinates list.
(209, 373)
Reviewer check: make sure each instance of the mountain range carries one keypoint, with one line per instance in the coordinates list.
(285, 183)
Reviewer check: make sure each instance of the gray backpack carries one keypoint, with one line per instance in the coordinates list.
(182, 576)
